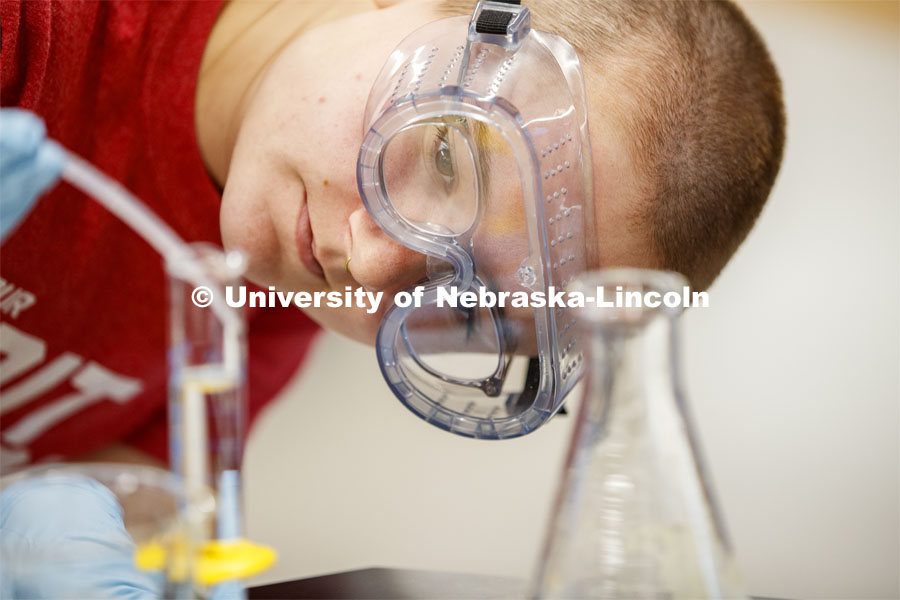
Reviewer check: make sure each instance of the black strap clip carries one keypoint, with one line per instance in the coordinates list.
(501, 22)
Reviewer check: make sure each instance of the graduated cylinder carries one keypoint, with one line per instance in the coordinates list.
(207, 358)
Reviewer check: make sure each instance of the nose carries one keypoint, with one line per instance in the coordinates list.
(377, 261)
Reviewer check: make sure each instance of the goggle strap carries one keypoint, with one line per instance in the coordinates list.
(530, 389)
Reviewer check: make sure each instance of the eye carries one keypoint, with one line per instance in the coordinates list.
(439, 155)
(443, 160)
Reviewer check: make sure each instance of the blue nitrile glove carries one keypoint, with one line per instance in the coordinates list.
(29, 164)
(73, 517)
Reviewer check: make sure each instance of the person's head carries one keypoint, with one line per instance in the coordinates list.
(687, 132)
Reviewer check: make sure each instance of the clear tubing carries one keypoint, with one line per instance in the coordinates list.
(134, 213)
(119, 201)
(207, 352)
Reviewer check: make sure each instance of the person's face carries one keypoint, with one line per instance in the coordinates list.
(291, 200)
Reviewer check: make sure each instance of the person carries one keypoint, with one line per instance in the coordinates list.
(241, 124)
(265, 102)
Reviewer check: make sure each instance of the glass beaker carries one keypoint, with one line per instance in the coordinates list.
(75, 530)
(635, 515)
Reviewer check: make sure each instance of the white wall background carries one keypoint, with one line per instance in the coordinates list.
(793, 372)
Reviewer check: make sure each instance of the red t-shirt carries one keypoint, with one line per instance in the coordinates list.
(83, 312)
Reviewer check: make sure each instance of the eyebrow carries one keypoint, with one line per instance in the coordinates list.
(480, 133)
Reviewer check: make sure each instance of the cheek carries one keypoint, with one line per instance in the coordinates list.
(246, 219)
(245, 225)
(331, 136)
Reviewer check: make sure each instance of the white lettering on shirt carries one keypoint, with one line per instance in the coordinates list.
(14, 300)
(20, 353)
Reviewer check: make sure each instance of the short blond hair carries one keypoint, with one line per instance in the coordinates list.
(699, 102)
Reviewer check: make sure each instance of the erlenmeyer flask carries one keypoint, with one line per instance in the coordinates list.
(634, 516)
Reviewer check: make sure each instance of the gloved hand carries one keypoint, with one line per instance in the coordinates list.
(63, 537)
(29, 164)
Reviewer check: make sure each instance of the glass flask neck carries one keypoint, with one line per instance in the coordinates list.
(632, 362)
(632, 345)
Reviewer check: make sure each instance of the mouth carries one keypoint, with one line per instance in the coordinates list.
(305, 241)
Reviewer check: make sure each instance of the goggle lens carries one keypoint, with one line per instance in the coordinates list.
(430, 177)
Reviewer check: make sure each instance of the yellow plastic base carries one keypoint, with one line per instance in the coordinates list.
(214, 562)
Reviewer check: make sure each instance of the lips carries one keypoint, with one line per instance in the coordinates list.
(305, 242)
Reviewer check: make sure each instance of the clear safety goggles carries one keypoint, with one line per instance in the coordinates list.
(477, 155)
